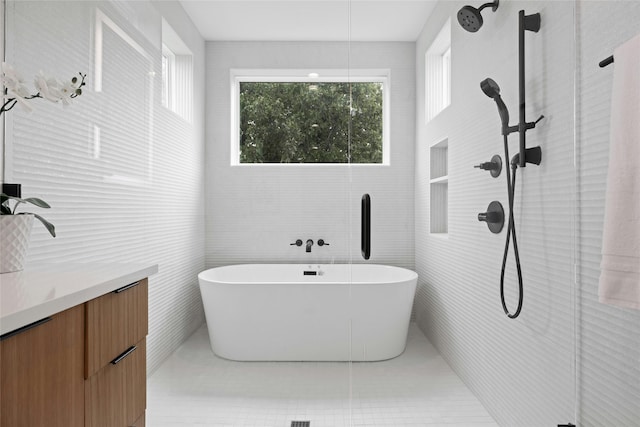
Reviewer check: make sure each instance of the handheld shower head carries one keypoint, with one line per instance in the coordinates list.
(492, 90)
(470, 18)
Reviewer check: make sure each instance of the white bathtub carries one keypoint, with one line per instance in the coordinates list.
(276, 312)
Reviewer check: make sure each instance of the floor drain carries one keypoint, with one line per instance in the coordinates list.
(300, 423)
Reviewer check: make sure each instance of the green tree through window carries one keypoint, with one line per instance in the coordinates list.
(310, 122)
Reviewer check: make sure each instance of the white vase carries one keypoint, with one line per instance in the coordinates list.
(15, 231)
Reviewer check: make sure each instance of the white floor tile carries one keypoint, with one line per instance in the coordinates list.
(195, 388)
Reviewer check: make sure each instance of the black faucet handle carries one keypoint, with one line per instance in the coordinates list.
(494, 166)
(296, 243)
(321, 242)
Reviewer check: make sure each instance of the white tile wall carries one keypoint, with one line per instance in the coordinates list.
(522, 370)
(255, 212)
(137, 193)
(458, 306)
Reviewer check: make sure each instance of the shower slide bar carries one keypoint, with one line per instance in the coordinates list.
(525, 23)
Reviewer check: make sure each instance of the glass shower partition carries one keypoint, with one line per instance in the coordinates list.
(470, 363)
(126, 167)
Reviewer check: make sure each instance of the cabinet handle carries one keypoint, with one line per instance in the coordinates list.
(24, 328)
(124, 288)
(123, 355)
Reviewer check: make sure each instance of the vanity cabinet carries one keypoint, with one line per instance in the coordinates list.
(115, 389)
(82, 367)
(42, 370)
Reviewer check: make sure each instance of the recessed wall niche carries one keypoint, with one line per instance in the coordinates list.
(439, 187)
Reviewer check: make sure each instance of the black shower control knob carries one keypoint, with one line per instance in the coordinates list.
(491, 217)
(321, 242)
(494, 217)
(297, 243)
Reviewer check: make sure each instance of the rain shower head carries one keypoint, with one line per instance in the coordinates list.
(470, 18)
(492, 90)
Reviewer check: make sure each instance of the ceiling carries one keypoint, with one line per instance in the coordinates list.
(309, 20)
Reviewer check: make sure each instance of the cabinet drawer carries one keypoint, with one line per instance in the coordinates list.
(117, 395)
(115, 322)
(41, 371)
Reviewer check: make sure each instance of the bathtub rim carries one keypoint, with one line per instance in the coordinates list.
(208, 276)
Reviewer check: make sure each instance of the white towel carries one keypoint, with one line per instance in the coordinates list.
(620, 267)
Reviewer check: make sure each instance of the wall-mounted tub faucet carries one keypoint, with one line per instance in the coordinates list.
(298, 242)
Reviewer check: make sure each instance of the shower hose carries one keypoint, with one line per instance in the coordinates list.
(511, 234)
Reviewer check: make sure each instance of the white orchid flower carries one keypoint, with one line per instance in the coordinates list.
(16, 86)
(11, 78)
(48, 87)
(68, 90)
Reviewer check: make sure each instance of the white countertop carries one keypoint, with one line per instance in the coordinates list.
(41, 291)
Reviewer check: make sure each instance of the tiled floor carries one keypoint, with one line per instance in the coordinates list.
(196, 388)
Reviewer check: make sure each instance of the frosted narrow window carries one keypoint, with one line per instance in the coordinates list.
(438, 73)
(168, 85)
(446, 78)
(177, 74)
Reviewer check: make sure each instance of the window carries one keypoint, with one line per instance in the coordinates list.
(177, 74)
(446, 77)
(438, 73)
(306, 118)
(168, 84)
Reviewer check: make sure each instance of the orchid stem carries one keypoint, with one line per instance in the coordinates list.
(9, 101)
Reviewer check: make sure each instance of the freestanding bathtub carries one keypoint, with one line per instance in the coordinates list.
(302, 312)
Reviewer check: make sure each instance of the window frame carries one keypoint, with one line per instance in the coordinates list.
(446, 77)
(168, 78)
(177, 77)
(238, 76)
(437, 74)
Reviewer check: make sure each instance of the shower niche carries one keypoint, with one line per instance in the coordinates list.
(439, 187)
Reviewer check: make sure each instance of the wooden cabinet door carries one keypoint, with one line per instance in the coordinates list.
(117, 395)
(115, 322)
(42, 373)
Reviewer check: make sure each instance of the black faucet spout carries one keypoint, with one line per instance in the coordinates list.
(309, 244)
